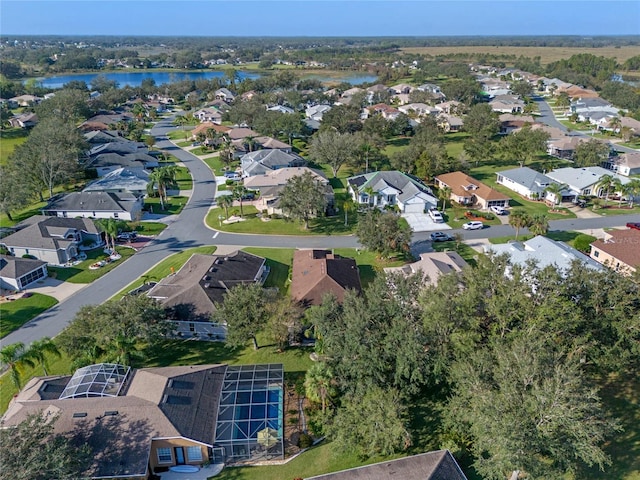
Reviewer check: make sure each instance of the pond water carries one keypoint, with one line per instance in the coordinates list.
(134, 79)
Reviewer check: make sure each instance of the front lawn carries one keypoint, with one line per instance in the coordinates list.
(81, 273)
(16, 313)
(172, 206)
(333, 225)
(613, 208)
(183, 179)
(166, 267)
(147, 229)
(465, 251)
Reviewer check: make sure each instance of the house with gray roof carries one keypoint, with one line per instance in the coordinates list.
(316, 112)
(96, 204)
(190, 295)
(391, 188)
(543, 252)
(225, 94)
(53, 240)
(122, 180)
(584, 181)
(110, 162)
(18, 273)
(438, 465)
(627, 164)
(525, 181)
(262, 162)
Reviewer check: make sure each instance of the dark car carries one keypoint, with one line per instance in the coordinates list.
(440, 237)
(634, 225)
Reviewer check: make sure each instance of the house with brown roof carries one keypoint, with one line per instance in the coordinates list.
(468, 191)
(619, 250)
(627, 164)
(318, 272)
(150, 420)
(438, 465)
(190, 295)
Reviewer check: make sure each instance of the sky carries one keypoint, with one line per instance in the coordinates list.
(320, 18)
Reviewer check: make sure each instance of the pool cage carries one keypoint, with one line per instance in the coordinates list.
(250, 413)
(100, 380)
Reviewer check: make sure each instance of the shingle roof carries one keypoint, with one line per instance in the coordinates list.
(44, 232)
(204, 279)
(12, 267)
(527, 177)
(93, 202)
(439, 465)
(458, 181)
(433, 265)
(317, 272)
(128, 179)
(406, 186)
(624, 245)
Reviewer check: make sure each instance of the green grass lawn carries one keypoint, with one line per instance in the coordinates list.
(464, 250)
(164, 268)
(183, 179)
(9, 140)
(20, 215)
(279, 260)
(558, 235)
(172, 206)
(82, 274)
(150, 229)
(18, 312)
(613, 208)
(252, 224)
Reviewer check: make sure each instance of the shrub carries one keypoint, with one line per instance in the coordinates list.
(29, 256)
(305, 441)
(583, 242)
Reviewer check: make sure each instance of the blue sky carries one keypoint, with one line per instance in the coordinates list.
(320, 18)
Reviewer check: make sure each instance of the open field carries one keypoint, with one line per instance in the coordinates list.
(546, 54)
(9, 140)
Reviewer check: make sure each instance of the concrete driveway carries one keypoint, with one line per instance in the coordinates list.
(421, 222)
(55, 288)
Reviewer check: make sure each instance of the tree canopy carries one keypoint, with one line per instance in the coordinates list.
(303, 197)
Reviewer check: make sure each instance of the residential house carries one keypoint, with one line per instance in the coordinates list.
(631, 123)
(122, 180)
(543, 252)
(507, 104)
(494, 87)
(577, 92)
(26, 100)
(109, 162)
(438, 465)
(619, 250)
(225, 94)
(270, 184)
(122, 206)
(400, 98)
(281, 109)
(210, 115)
(143, 421)
(316, 273)
(564, 147)
(401, 88)
(386, 111)
(525, 181)
(98, 137)
(53, 240)
(18, 273)
(24, 120)
(351, 92)
(450, 123)
(452, 107)
(510, 123)
(418, 110)
(190, 295)
(119, 146)
(315, 112)
(584, 181)
(109, 118)
(468, 191)
(261, 162)
(391, 189)
(627, 164)
(204, 129)
(432, 266)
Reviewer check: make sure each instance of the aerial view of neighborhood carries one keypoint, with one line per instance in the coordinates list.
(312, 255)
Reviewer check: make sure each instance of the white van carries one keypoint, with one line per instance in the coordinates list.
(436, 216)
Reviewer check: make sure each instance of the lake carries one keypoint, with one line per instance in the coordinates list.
(134, 79)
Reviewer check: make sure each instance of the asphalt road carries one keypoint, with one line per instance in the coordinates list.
(189, 230)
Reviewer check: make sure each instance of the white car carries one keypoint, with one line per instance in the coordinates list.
(498, 210)
(436, 216)
(473, 226)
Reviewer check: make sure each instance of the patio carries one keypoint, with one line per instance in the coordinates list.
(202, 474)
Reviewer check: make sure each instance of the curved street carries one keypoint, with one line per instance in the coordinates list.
(188, 230)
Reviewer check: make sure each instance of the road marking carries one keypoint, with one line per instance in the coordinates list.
(217, 233)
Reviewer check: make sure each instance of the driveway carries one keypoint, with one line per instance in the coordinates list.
(421, 222)
(55, 288)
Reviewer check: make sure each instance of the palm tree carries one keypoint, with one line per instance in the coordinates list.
(318, 384)
(606, 183)
(238, 192)
(518, 220)
(539, 224)
(347, 205)
(14, 357)
(251, 143)
(156, 180)
(225, 201)
(444, 194)
(631, 190)
(615, 124)
(110, 227)
(38, 351)
(123, 349)
(556, 189)
(371, 194)
(563, 100)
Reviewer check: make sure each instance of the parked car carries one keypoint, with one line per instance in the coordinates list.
(473, 226)
(634, 225)
(498, 210)
(248, 196)
(436, 216)
(440, 237)
(126, 236)
(232, 175)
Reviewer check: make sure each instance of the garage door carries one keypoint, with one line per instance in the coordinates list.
(414, 208)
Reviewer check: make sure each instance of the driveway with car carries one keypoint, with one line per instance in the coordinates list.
(422, 222)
